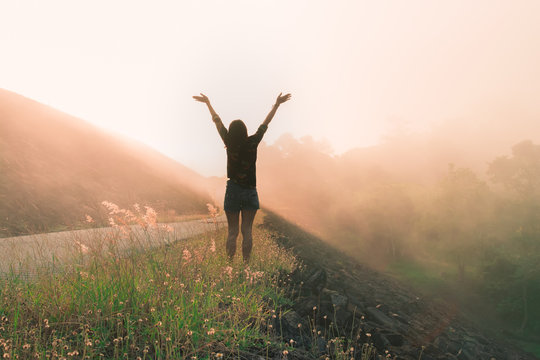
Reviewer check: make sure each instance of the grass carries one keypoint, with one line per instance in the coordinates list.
(159, 298)
(180, 300)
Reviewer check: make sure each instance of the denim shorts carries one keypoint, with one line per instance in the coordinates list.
(239, 198)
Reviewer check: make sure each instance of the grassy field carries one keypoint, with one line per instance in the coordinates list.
(183, 300)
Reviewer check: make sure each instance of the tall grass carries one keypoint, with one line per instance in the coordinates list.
(139, 293)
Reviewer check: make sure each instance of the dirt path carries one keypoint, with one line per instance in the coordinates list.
(27, 255)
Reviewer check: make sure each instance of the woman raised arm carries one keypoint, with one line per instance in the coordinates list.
(222, 130)
(280, 100)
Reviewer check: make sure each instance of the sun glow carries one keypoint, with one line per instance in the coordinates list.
(357, 70)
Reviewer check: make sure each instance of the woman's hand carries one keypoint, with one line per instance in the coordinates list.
(203, 98)
(281, 99)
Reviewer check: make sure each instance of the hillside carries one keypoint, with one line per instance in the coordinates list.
(335, 290)
(56, 168)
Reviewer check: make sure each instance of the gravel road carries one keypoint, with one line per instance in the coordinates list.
(29, 254)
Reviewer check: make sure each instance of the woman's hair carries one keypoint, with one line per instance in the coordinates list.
(237, 134)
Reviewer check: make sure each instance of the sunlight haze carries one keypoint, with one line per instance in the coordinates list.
(357, 70)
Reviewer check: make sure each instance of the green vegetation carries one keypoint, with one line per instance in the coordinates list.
(466, 234)
(181, 299)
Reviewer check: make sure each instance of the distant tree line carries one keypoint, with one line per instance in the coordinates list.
(486, 225)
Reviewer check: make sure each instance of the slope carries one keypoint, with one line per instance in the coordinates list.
(55, 168)
(363, 305)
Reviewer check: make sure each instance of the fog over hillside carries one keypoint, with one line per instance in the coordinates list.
(304, 180)
(56, 168)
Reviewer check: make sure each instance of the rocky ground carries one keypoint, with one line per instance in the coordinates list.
(339, 298)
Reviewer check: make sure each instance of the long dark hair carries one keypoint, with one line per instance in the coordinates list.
(237, 135)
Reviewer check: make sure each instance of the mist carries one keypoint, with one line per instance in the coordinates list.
(457, 204)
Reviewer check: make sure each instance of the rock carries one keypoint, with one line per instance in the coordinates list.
(304, 307)
(380, 342)
(440, 343)
(339, 300)
(290, 322)
(450, 356)
(394, 339)
(316, 280)
(381, 318)
(335, 298)
(465, 355)
(453, 347)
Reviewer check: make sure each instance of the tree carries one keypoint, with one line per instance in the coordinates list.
(520, 175)
(460, 214)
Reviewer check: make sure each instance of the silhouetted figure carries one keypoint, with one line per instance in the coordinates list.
(241, 193)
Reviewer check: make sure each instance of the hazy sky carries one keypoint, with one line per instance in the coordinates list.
(356, 69)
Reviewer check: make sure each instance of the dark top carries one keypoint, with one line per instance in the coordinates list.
(241, 161)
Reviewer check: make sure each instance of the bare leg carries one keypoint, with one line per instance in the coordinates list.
(233, 217)
(247, 239)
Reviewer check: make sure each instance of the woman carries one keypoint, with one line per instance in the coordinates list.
(241, 193)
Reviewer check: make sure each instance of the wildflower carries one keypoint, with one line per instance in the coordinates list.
(150, 217)
(89, 219)
(299, 325)
(285, 352)
(212, 210)
(219, 356)
(26, 346)
(211, 331)
(186, 255)
(228, 271)
(368, 334)
(314, 308)
(213, 246)
(159, 323)
(190, 332)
